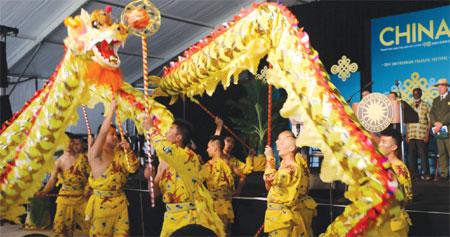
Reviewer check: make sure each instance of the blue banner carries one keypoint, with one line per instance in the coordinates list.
(412, 49)
(348, 86)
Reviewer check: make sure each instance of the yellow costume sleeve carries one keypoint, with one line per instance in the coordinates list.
(404, 178)
(270, 165)
(176, 156)
(246, 167)
(249, 165)
(129, 162)
(206, 172)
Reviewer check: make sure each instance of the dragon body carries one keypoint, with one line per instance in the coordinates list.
(330, 124)
(87, 74)
(28, 143)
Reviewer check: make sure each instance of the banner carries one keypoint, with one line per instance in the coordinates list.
(412, 49)
(349, 86)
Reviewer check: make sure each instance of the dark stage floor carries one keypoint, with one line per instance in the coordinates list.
(429, 209)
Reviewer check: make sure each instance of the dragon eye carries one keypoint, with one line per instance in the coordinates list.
(95, 24)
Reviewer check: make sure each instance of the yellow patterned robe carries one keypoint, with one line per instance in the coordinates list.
(259, 162)
(397, 225)
(187, 200)
(71, 203)
(287, 200)
(245, 168)
(305, 204)
(220, 183)
(107, 206)
(180, 207)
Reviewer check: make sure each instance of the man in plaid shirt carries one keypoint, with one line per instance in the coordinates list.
(417, 135)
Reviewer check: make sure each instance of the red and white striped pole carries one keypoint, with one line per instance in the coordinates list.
(269, 112)
(87, 121)
(147, 111)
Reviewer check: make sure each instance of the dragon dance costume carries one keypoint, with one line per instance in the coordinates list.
(71, 202)
(397, 224)
(289, 209)
(28, 141)
(107, 207)
(245, 168)
(187, 200)
(220, 183)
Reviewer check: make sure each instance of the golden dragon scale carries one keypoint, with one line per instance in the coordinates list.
(87, 74)
(350, 154)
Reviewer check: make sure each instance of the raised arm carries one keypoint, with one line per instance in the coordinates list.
(96, 150)
(270, 171)
(219, 125)
(181, 159)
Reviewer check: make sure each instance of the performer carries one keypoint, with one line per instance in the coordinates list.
(289, 210)
(218, 174)
(417, 136)
(107, 207)
(246, 167)
(397, 225)
(178, 180)
(440, 119)
(72, 171)
(305, 204)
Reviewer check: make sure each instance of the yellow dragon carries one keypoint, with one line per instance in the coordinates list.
(27, 144)
(89, 73)
(330, 124)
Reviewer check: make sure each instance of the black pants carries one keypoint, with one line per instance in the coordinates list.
(418, 147)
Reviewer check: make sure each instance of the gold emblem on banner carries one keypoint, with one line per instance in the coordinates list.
(429, 92)
(344, 68)
(375, 112)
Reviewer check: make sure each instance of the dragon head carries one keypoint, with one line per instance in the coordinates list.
(96, 32)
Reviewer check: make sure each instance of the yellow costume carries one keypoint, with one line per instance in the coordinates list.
(71, 202)
(289, 209)
(397, 225)
(259, 162)
(187, 200)
(245, 168)
(305, 204)
(220, 183)
(107, 207)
